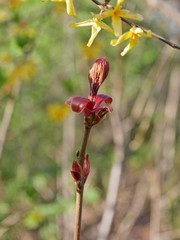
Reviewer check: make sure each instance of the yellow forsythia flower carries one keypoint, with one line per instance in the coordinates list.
(133, 35)
(4, 15)
(116, 13)
(57, 112)
(96, 25)
(15, 3)
(22, 72)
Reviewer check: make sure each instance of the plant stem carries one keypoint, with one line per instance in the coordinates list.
(80, 187)
(78, 214)
(83, 146)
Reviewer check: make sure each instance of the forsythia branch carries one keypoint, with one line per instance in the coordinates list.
(173, 45)
(132, 24)
(101, 4)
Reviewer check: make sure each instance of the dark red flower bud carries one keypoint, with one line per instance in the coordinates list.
(76, 171)
(97, 75)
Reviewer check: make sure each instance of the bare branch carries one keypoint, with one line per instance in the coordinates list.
(101, 4)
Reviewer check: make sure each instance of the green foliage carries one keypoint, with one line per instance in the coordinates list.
(174, 212)
(2, 77)
(141, 157)
(41, 213)
(92, 196)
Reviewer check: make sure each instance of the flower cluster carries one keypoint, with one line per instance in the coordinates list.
(96, 106)
(133, 35)
(116, 13)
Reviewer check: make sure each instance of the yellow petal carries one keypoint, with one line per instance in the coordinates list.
(121, 39)
(58, 112)
(105, 14)
(105, 27)
(136, 30)
(127, 14)
(131, 44)
(70, 8)
(140, 33)
(58, 0)
(119, 2)
(117, 25)
(88, 22)
(94, 33)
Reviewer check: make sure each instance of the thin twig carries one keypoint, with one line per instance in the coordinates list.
(64, 153)
(155, 196)
(101, 4)
(9, 109)
(155, 35)
(80, 188)
(170, 113)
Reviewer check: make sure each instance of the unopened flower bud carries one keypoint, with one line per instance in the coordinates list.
(76, 171)
(97, 75)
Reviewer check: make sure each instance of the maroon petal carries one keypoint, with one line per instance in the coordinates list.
(78, 103)
(103, 108)
(102, 98)
(101, 113)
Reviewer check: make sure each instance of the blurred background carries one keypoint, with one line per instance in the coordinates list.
(133, 191)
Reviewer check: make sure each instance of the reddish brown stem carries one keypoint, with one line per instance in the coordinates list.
(80, 188)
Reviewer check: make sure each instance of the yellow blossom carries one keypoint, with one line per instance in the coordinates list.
(5, 58)
(22, 72)
(4, 15)
(96, 25)
(116, 13)
(15, 3)
(57, 112)
(133, 35)
(69, 6)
